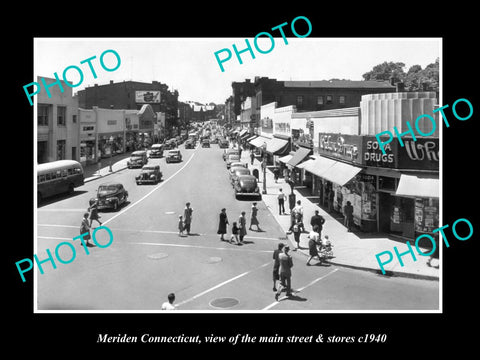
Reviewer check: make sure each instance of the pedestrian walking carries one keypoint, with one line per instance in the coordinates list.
(313, 242)
(331, 198)
(348, 212)
(281, 202)
(235, 232)
(296, 234)
(85, 228)
(286, 264)
(276, 265)
(293, 217)
(253, 217)
(187, 217)
(299, 214)
(181, 226)
(276, 173)
(168, 305)
(318, 220)
(242, 226)
(222, 224)
(252, 157)
(94, 213)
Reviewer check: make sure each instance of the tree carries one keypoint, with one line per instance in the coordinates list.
(385, 71)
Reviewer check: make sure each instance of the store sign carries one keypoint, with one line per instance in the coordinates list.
(345, 147)
(373, 156)
(147, 97)
(282, 128)
(419, 154)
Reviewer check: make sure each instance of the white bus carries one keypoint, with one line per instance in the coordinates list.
(58, 177)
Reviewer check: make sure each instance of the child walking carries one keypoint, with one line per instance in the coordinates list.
(235, 233)
(180, 225)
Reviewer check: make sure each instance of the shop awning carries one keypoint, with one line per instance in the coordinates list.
(244, 135)
(335, 171)
(418, 185)
(251, 138)
(285, 159)
(259, 141)
(276, 145)
(341, 173)
(305, 164)
(243, 132)
(299, 156)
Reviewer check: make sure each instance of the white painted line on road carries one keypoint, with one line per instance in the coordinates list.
(74, 210)
(53, 225)
(149, 193)
(303, 288)
(221, 284)
(236, 248)
(53, 238)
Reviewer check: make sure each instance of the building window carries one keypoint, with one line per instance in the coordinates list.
(42, 115)
(299, 100)
(60, 149)
(61, 115)
(341, 99)
(329, 99)
(320, 100)
(74, 119)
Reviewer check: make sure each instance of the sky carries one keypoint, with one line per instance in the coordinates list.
(189, 64)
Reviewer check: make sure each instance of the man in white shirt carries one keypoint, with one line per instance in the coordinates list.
(169, 305)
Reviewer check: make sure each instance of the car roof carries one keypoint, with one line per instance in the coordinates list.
(138, 152)
(246, 177)
(110, 184)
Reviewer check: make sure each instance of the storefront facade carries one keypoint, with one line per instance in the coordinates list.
(396, 193)
(88, 131)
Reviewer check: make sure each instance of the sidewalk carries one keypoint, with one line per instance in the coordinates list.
(355, 250)
(102, 169)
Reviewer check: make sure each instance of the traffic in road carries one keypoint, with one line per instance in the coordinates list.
(148, 258)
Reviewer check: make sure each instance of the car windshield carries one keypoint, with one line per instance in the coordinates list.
(148, 168)
(248, 181)
(242, 171)
(107, 189)
(233, 157)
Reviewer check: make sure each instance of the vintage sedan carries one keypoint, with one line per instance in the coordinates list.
(174, 156)
(237, 164)
(237, 171)
(110, 196)
(150, 174)
(227, 152)
(231, 159)
(137, 159)
(156, 151)
(190, 144)
(205, 143)
(246, 185)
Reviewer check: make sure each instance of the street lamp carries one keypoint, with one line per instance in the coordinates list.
(110, 142)
(264, 167)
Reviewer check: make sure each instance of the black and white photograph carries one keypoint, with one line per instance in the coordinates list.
(268, 181)
(158, 172)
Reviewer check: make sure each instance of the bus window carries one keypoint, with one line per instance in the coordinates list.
(64, 173)
(70, 171)
(48, 176)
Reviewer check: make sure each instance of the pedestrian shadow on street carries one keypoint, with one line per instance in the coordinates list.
(192, 234)
(292, 297)
(245, 242)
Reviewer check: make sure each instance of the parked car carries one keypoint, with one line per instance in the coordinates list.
(237, 171)
(205, 143)
(110, 195)
(237, 164)
(156, 151)
(223, 144)
(174, 156)
(231, 159)
(227, 152)
(150, 174)
(137, 159)
(246, 185)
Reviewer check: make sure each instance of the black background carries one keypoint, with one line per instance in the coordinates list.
(407, 333)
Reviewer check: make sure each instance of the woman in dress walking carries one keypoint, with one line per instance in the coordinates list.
(222, 224)
(253, 218)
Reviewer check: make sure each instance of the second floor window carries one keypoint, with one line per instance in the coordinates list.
(61, 115)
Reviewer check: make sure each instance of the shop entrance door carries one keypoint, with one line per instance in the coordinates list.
(384, 208)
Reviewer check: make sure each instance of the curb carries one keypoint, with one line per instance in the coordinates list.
(388, 273)
(91, 178)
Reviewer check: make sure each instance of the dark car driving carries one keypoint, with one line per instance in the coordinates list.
(205, 143)
(150, 174)
(174, 156)
(156, 151)
(137, 159)
(110, 196)
(246, 185)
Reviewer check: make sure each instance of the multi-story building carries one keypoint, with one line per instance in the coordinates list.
(58, 129)
(132, 95)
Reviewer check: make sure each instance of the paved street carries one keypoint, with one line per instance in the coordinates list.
(147, 259)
